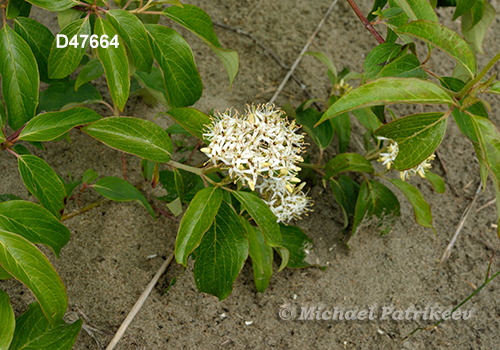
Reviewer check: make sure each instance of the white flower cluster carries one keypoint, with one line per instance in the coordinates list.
(261, 145)
(388, 158)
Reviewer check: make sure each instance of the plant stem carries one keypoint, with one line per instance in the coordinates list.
(366, 22)
(311, 166)
(189, 168)
(84, 209)
(474, 81)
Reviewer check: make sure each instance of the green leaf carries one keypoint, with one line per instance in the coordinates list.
(463, 6)
(49, 126)
(405, 66)
(452, 84)
(136, 136)
(182, 81)
(133, 33)
(298, 244)
(17, 8)
(477, 12)
(62, 95)
(3, 117)
(221, 254)
(64, 61)
(92, 70)
(200, 23)
(445, 39)
(8, 197)
(177, 129)
(325, 60)
(495, 88)
(34, 223)
(89, 176)
(262, 256)
(376, 203)
(70, 187)
(120, 190)
(154, 85)
(475, 33)
(421, 208)
(387, 91)
(54, 5)
(34, 332)
(4, 275)
(265, 219)
(27, 264)
(347, 162)
(40, 39)
(7, 321)
(43, 183)
(196, 221)
(67, 16)
(345, 191)
(322, 134)
(417, 135)
(397, 22)
(436, 181)
(191, 119)
(185, 181)
(376, 5)
(392, 12)
(418, 9)
(20, 80)
(115, 63)
(342, 124)
(379, 57)
(367, 118)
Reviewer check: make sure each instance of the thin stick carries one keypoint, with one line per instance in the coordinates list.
(366, 22)
(138, 304)
(487, 205)
(269, 52)
(447, 252)
(304, 50)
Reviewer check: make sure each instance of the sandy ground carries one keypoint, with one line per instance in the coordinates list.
(105, 266)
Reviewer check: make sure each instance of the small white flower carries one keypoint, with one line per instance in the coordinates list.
(418, 170)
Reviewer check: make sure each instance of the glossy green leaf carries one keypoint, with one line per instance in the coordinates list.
(463, 6)
(347, 162)
(475, 33)
(321, 134)
(418, 9)
(191, 119)
(265, 219)
(405, 66)
(387, 91)
(49, 126)
(452, 84)
(367, 118)
(417, 135)
(40, 39)
(20, 80)
(200, 23)
(120, 190)
(17, 8)
(342, 125)
(153, 83)
(436, 181)
(67, 16)
(477, 12)
(298, 244)
(115, 63)
(182, 81)
(54, 5)
(196, 221)
(89, 176)
(445, 39)
(376, 204)
(345, 191)
(379, 57)
(43, 183)
(62, 95)
(27, 264)
(397, 22)
(325, 60)
(133, 33)
(34, 223)
(185, 181)
(92, 70)
(7, 321)
(261, 255)
(33, 332)
(421, 208)
(392, 12)
(221, 254)
(64, 61)
(136, 136)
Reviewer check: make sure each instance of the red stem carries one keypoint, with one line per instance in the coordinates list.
(366, 22)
